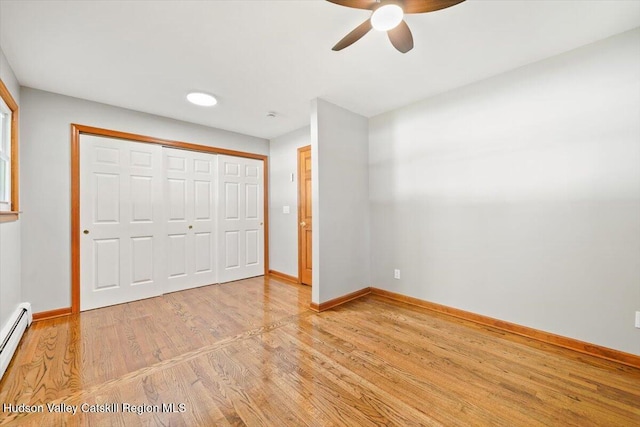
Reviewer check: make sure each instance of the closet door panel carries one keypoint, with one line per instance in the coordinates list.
(190, 185)
(121, 221)
(157, 220)
(241, 221)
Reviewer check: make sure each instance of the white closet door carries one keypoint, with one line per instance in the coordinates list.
(240, 218)
(190, 187)
(121, 221)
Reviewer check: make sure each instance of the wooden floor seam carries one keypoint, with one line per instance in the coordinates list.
(163, 365)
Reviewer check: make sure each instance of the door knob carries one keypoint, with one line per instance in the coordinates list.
(303, 224)
(86, 231)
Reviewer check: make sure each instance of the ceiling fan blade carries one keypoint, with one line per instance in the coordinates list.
(401, 37)
(353, 36)
(358, 4)
(422, 6)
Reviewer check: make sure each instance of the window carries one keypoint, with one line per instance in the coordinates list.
(8, 155)
(5, 157)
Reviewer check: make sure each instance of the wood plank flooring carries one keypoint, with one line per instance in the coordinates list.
(252, 353)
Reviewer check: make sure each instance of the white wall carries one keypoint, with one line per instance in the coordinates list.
(519, 197)
(45, 170)
(283, 228)
(10, 291)
(340, 191)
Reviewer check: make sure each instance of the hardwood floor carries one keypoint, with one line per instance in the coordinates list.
(252, 353)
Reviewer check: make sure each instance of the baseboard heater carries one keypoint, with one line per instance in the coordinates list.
(12, 333)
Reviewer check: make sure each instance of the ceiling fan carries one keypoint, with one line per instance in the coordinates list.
(387, 15)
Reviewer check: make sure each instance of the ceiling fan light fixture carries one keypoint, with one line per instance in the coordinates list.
(202, 99)
(387, 17)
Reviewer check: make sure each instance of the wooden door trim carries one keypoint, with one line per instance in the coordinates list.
(14, 208)
(300, 151)
(77, 130)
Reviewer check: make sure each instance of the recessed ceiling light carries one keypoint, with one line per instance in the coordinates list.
(202, 99)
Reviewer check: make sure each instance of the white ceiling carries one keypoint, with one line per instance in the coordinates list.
(259, 56)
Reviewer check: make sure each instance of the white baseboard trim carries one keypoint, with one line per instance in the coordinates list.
(12, 333)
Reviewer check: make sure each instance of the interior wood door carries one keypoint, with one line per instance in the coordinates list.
(305, 229)
(240, 218)
(190, 194)
(121, 254)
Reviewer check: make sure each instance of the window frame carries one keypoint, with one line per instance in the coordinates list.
(13, 213)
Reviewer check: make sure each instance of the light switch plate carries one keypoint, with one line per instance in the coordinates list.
(286, 210)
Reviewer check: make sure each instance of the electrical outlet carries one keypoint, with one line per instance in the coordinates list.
(396, 274)
(638, 319)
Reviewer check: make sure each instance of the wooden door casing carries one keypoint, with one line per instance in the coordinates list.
(78, 130)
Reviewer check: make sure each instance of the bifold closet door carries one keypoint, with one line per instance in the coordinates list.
(240, 218)
(121, 221)
(190, 194)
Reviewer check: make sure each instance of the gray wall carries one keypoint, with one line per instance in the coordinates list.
(283, 228)
(10, 289)
(45, 171)
(519, 197)
(340, 190)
